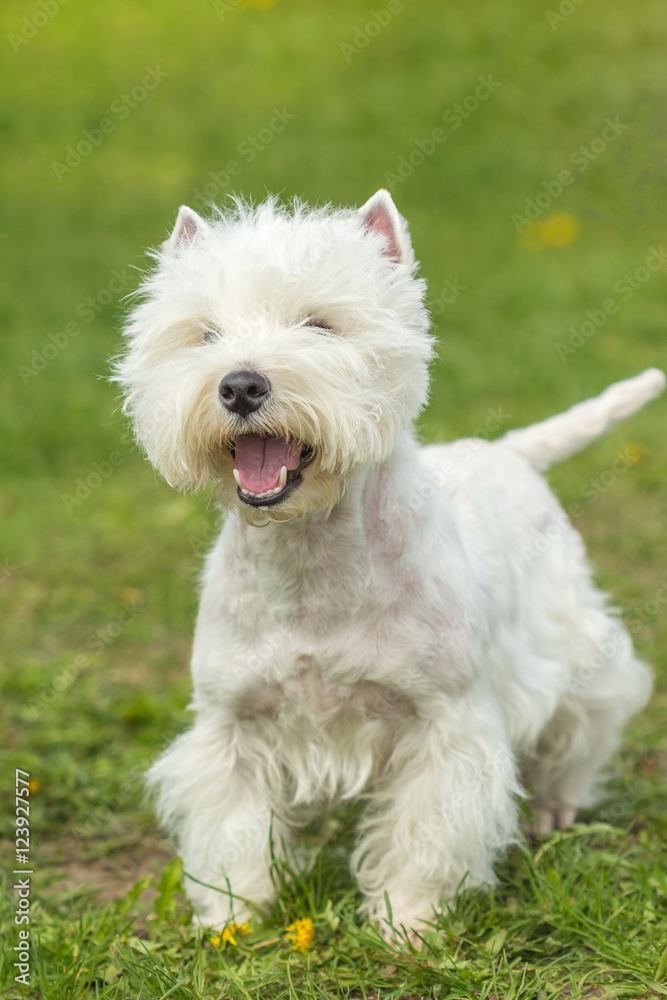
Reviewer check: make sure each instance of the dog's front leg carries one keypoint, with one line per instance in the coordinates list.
(216, 803)
(438, 816)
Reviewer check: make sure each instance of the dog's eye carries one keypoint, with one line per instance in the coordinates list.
(210, 334)
(318, 324)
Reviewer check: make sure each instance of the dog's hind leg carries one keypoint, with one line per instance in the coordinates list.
(216, 803)
(606, 686)
(439, 816)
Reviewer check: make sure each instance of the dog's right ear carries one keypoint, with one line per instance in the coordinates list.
(380, 215)
(188, 226)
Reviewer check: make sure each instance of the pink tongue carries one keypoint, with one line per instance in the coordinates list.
(259, 460)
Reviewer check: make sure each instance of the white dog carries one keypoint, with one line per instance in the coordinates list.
(413, 626)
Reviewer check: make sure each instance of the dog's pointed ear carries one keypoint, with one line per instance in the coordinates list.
(380, 215)
(188, 226)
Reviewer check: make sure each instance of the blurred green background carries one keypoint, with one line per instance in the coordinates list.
(159, 98)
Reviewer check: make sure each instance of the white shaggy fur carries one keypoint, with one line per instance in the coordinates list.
(393, 631)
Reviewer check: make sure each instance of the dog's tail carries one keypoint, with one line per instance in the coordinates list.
(552, 440)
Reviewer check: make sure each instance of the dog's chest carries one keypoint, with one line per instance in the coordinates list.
(309, 692)
(329, 620)
(370, 651)
(331, 647)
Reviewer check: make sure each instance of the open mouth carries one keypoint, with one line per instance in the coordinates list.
(266, 469)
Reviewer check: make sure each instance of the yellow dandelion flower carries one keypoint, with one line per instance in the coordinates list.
(634, 453)
(560, 231)
(301, 934)
(557, 231)
(231, 932)
(33, 786)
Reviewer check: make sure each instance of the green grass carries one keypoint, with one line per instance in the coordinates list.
(581, 915)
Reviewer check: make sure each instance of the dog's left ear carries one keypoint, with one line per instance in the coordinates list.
(188, 226)
(380, 215)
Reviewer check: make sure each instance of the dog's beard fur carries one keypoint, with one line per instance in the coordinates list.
(305, 299)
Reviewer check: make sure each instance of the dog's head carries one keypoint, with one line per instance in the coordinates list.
(277, 351)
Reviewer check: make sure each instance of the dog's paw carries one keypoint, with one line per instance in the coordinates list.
(215, 922)
(546, 820)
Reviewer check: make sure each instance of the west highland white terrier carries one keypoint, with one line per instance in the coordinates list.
(412, 626)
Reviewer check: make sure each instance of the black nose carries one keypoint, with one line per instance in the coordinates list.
(243, 392)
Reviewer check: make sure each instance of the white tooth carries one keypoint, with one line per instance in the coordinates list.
(283, 476)
(237, 478)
